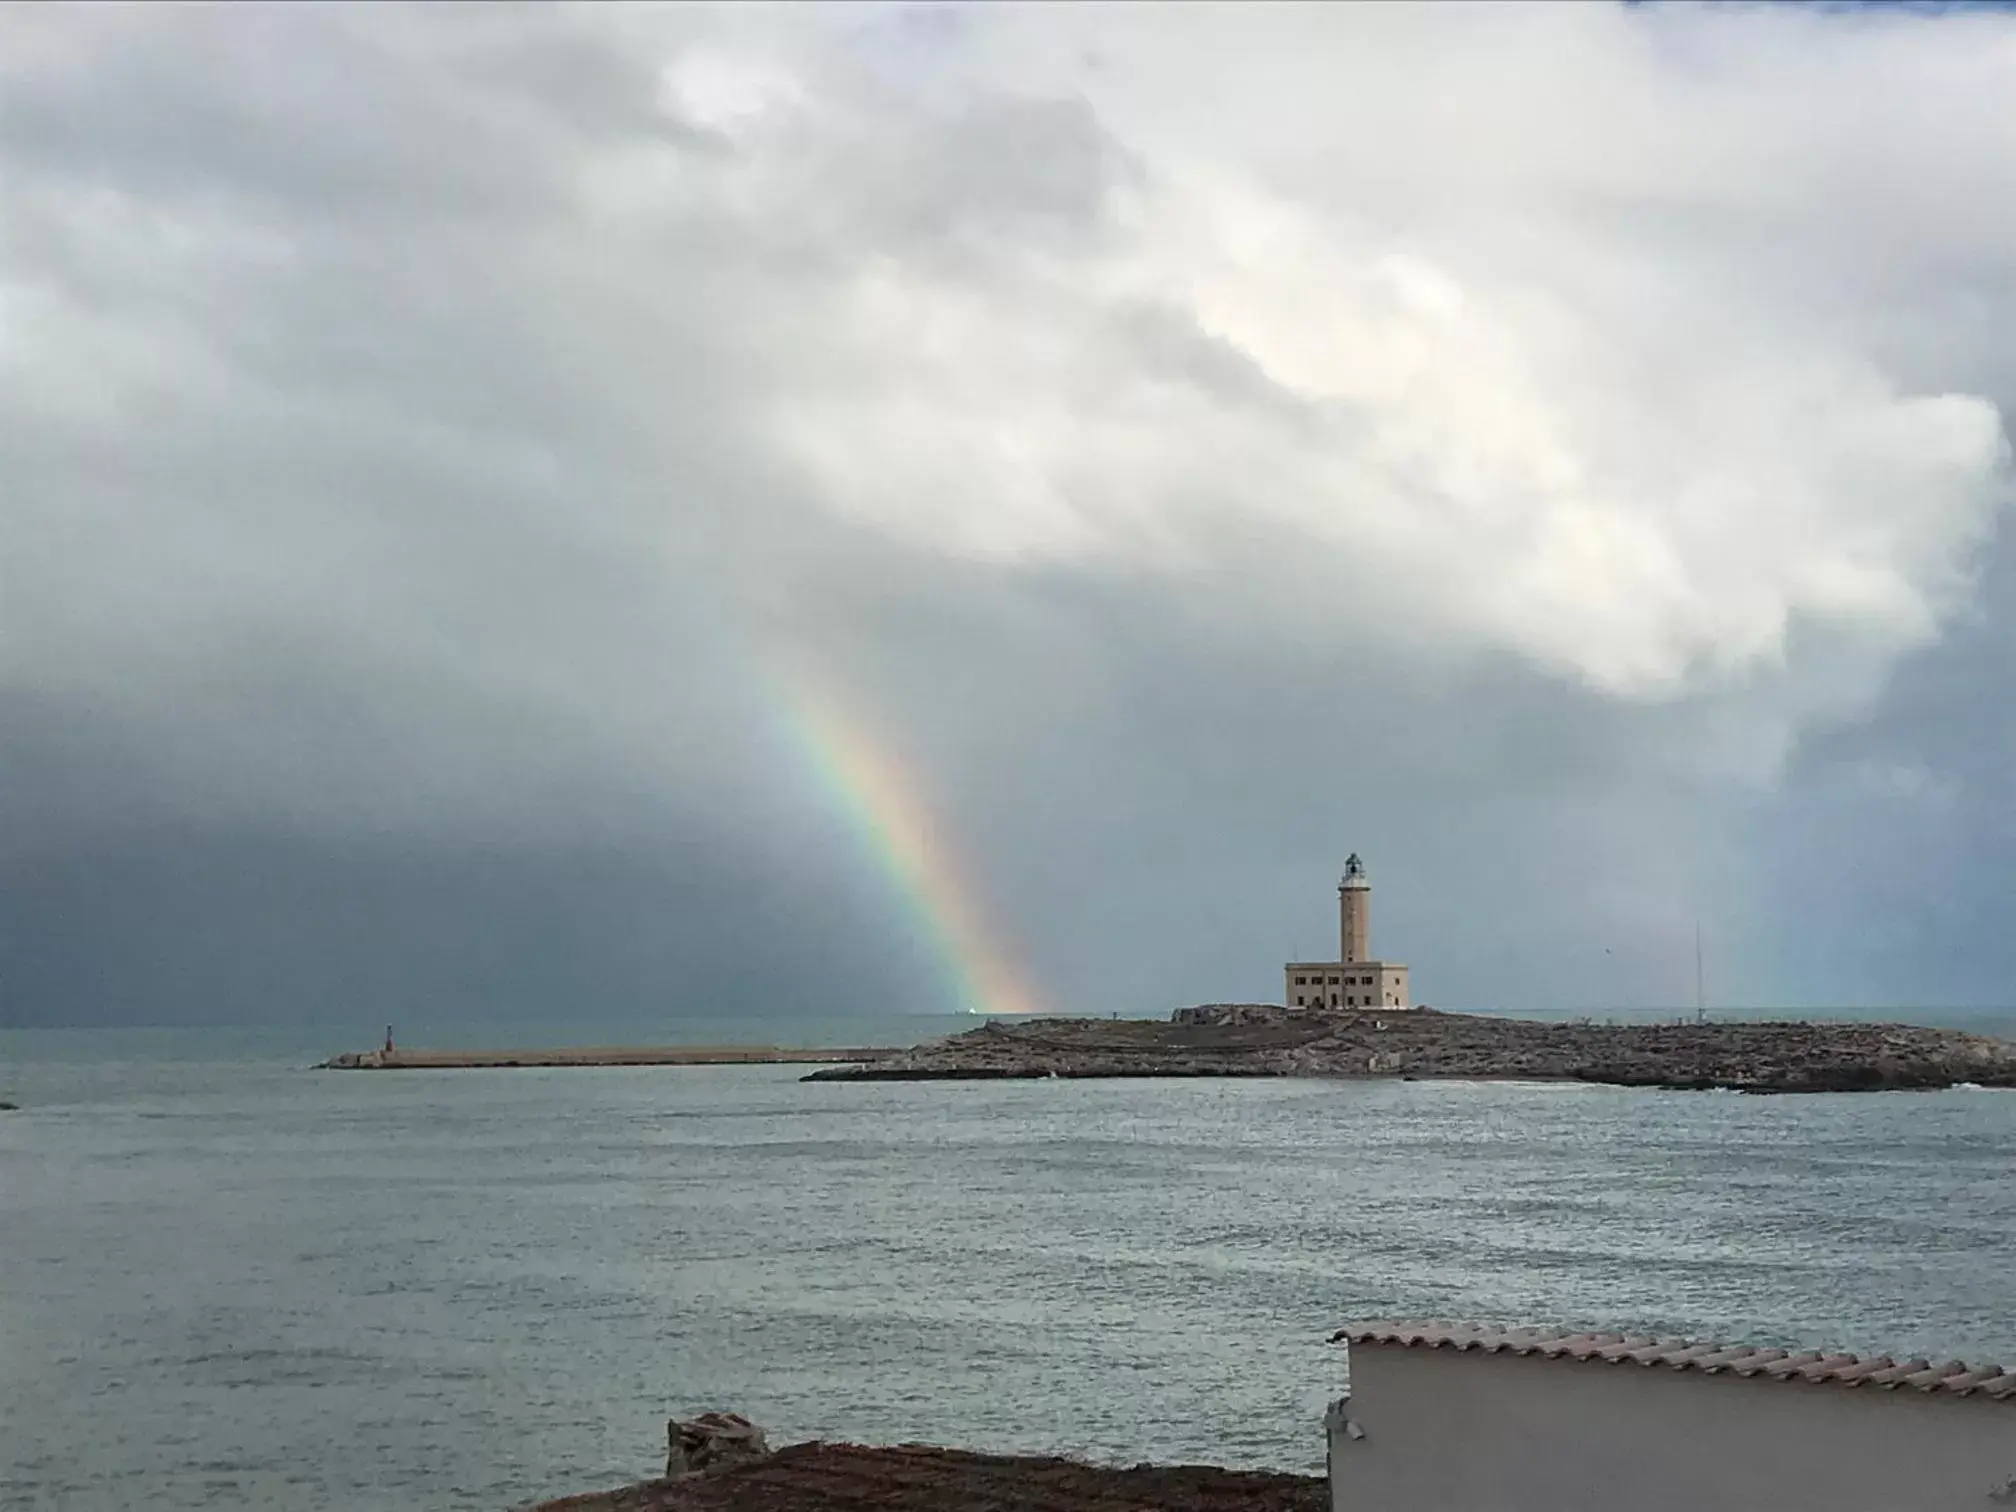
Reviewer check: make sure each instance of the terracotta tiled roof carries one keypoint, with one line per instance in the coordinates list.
(1819, 1366)
(911, 1478)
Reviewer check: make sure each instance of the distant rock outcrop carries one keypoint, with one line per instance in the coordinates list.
(711, 1441)
(1228, 1013)
(1259, 1039)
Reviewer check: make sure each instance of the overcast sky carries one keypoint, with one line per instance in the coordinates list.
(1558, 453)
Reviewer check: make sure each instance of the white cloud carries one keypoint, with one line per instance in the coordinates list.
(1532, 381)
(1499, 325)
(721, 92)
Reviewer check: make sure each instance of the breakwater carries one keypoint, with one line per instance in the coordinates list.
(602, 1055)
(1245, 1039)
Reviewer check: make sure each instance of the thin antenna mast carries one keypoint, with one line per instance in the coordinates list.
(1700, 996)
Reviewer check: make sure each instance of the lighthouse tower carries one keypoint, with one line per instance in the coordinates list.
(1356, 979)
(1354, 909)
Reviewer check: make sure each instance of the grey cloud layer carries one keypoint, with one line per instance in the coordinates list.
(1523, 448)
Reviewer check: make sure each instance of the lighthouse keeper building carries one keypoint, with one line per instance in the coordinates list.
(1356, 981)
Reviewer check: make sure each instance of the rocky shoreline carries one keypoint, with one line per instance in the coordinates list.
(1249, 1039)
(720, 1462)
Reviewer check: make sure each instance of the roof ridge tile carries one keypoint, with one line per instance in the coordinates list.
(1815, 1366)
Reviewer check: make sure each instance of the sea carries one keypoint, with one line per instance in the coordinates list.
(228, 1279)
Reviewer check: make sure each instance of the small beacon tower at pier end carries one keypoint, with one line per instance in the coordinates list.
(1357, 980)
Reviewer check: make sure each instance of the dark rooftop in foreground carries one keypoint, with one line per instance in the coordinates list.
(1819, 1367)
(912, 1478)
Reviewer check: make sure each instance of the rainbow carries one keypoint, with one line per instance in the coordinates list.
(882, 804)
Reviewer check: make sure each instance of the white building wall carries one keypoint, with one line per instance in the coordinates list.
(1444, 1431)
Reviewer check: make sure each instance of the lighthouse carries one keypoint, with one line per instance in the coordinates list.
(1356, 979)
(1354, 908)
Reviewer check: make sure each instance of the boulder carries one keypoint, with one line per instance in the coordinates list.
(711, 1441)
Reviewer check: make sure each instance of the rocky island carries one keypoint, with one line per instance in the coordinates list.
(1257, 1039)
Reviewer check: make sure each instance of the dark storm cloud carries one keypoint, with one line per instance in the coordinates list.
(1903, 823)
(428, 432)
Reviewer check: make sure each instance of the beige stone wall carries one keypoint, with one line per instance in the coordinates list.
(1354, 909)
(1346, 984)
(1395, 991)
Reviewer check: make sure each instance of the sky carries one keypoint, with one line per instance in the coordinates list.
(509, 511)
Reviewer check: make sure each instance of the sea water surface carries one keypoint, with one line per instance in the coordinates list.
(229, 1280)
